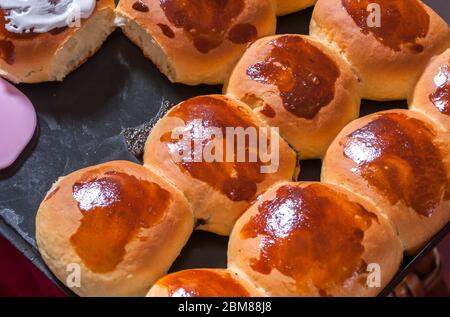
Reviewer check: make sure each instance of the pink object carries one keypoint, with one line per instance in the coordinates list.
(17, 123)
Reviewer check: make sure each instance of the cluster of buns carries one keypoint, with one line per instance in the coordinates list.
(385, 189)
(191, 42)
(124, 224)
(196, 42)
(385, 184)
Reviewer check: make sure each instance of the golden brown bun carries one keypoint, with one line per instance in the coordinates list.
(51, 57)
(203, 283)
(289, 6)
(432, 94)
(219, 192)
(388, 61)
(312, 239)
(207, 54)
(121, 223)
(401, 163)
(299, 85)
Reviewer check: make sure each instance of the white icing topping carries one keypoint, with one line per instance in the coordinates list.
(40, 16)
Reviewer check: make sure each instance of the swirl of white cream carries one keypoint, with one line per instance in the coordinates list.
(40, 16)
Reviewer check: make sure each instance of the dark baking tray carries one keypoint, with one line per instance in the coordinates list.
(81, 122)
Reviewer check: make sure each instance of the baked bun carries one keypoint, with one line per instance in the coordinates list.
(432, 94)
(310, 239)
(203, 283)
(51, 56)
(289, 6)
(112, 221)
(195, 42)
(400, 162)
(388, 54)
(299, 85)
(219, 187)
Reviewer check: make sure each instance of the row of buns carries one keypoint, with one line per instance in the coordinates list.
(172, 43)
(385, 190)
(385, 185)
(200, 42)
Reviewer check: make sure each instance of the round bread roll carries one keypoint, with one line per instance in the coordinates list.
(289, 6)
(219, 174)
(299, 85)
(401, 163)
(313, 239)
(389, 43)
(195, 42)
(118, 225)
(203, 283)
(432, 94)
(51, 56)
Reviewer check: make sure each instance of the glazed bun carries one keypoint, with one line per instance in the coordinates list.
(401, 163)
(51, 56)
(297, 84)
(313, 239)
(221, 185)
(203, 283)
(112, 221)
(432, 94)
(195, 42)
(388, 54)
(289, 6)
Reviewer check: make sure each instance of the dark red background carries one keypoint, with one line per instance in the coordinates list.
(19, 277)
